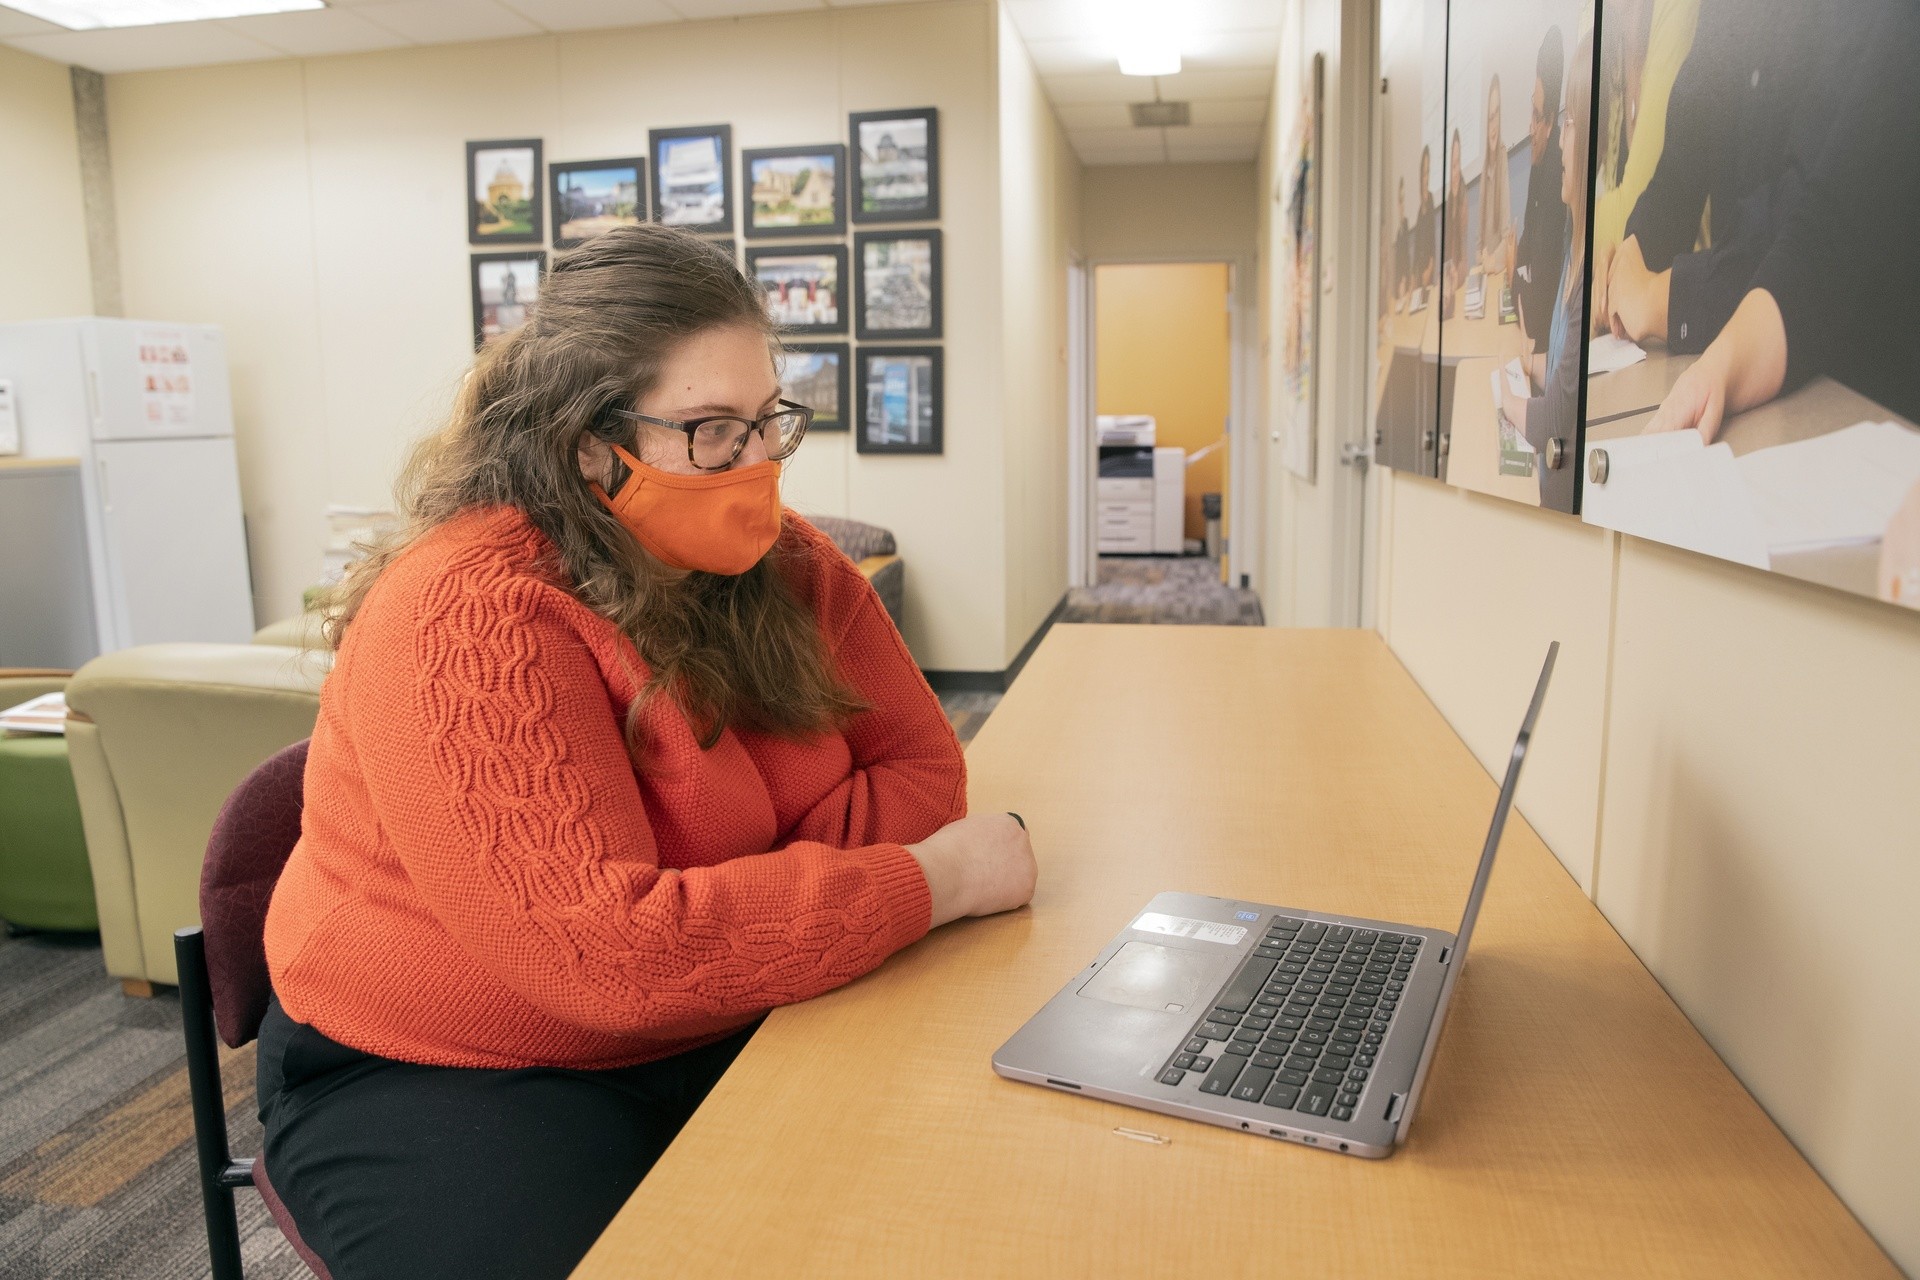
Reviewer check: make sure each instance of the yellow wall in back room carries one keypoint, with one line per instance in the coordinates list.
(1162, 338)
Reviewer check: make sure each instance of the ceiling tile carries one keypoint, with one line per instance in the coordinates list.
(592, 15)
(1210, 153)
(174, 44)
(1230, 111)
(1213, 50)
(1121, 139)
(315, 33)
(1093, 115)
(448, 21)
(740, 8)
(1092, 157)
(14, 23)
(1194, 85)
(1108, 87)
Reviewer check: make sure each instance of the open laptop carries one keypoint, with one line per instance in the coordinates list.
(1300, 1025)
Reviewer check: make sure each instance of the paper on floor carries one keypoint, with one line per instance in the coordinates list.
(1608, 354)
(1839, 489)
(1670, 487)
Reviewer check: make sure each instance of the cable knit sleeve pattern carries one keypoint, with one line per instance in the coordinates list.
(494, 763)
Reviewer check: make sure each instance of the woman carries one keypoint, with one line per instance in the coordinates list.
(1495, 203)
(1458, 254)
(615, 756)
(1552, 412)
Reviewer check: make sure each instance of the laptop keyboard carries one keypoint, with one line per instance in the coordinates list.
(1297, 1028)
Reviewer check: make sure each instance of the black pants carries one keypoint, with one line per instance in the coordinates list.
(392, 1169)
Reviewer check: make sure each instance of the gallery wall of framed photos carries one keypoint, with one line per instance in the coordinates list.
(1637, 263)
(794, 205)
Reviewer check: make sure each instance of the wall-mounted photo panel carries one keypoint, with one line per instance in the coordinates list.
(592, 196)
(693, 177)
(1406, 383)
(819, 376)
(505, 287)
(795, 191)
(1513, 259)
(1755, 382)
(503, 192)
(804, 284)
(898, 285)
(1297, 193)
(900, 400)
(896, 165)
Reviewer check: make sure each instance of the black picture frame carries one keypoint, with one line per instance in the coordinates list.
(870, 400)
(536, 256)
(842, 375)
(864, 326)
(759, 254)
(925, 208)
(723, 138)
(559, 171)
(478, 207)
(751, 226)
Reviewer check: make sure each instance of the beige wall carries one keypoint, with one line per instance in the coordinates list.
(43, 236)
(1159, 212)
(1040, 232)
(315, 208)
(1727, 762)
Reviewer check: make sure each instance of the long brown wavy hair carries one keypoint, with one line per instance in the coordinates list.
(730, 650)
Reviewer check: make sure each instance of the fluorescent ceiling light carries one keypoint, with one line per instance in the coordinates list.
(88, 15)
(1145, 36)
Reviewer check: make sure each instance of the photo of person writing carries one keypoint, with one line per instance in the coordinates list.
(1552, 413)
(1455, 248)
(1542, 245)
(1426, 230)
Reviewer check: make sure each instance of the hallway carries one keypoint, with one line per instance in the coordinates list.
(1157, 589)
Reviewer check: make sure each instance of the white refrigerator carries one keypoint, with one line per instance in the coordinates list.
(141, 413)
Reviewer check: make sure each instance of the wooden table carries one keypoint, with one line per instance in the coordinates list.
(1636, 388)
(1575, 1124)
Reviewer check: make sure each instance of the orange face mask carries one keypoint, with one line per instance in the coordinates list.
(718, 523)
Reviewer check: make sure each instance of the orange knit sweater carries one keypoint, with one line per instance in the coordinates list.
(483, 879)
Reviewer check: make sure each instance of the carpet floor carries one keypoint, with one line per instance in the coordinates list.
(1165, 590)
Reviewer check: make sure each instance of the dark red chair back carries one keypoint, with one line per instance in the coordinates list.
(251, 840)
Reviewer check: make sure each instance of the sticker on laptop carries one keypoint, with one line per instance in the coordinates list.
(1226, 935)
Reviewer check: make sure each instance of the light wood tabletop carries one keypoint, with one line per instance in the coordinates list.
(1574, 1124)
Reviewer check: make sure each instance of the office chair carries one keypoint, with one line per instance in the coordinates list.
(223, 980)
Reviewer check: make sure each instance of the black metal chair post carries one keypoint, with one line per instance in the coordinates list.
(220, 1174)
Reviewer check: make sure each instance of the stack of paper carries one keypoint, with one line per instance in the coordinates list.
(1512, 441)
(1608, 354)
(44, 714)
(1835, 490)
(1673, 488)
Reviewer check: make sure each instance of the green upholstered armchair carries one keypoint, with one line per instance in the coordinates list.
(158, 736)
(44, 881)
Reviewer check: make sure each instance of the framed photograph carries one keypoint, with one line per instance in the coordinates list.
(592, 196)
(897, 284)
(896, 165)
(900, 405)
(692, 177)
(503, 192)
(795, 191)
(818, 374)
(505, 287)
(805, 285)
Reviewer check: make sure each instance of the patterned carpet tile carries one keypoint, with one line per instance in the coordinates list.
(1163, 590)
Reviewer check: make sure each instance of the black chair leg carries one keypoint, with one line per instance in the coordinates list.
(219, 1173)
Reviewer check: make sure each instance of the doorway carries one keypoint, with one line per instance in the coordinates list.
(1158, 490)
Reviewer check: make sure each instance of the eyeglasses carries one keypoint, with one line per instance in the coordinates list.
(714, 444)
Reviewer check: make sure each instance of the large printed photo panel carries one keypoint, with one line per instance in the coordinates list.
(1412, 117)
(1755, 380)
(1511, 277)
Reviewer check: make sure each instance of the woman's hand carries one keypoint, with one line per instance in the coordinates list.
(1636, 297)
(977, 866)
(1698, 400)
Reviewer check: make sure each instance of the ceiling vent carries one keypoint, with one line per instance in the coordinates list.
(1159, 115)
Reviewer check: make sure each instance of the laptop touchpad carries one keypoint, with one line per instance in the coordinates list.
(1146, 975)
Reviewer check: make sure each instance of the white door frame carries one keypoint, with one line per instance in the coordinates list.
(1244, 488)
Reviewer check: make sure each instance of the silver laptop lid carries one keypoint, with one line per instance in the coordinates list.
(1458, 960)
